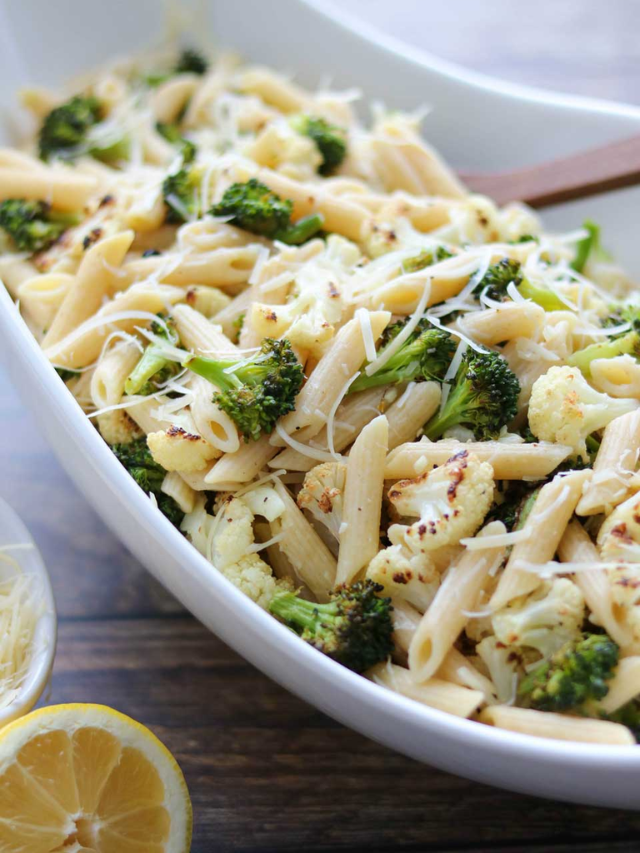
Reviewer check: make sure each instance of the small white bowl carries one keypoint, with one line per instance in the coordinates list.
(28, 559)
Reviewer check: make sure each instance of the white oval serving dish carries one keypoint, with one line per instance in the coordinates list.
(476, 122)
(16, 543)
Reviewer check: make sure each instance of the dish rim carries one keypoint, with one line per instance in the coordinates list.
(45, 634)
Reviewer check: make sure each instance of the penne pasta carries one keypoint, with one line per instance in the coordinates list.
(442, 695)
(556, 726)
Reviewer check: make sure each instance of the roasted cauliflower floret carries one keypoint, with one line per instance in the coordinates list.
(403, 574)
(619, 536)
(564, 408)
(625, 590)
(178, 450)
(116, 427)
(255, 579)
(501, 663)
(233, 537)
(450, 502)
(544, 620)
(321, 495)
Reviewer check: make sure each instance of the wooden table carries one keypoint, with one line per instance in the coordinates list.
(266, 771)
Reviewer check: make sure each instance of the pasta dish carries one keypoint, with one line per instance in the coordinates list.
(400, 419)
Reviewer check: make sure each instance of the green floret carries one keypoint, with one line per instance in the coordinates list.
(355, 628)
(154, 368)
(171, 133)
(181, 192)
(74, 129)
(589, 247)
(424, 356)
(33, 225)
(500, 275)
(425, 258)
(483, 397)
(254, 207)
(574, 676)
(259, 390)
(237, 324)
(137, 459)
(618, 343)
(191, 61)
(515, 508)
(329, 139)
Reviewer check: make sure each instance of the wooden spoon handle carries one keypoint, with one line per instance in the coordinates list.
(597, 170)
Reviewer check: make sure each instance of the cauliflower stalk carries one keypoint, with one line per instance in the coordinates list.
(564, 408)
(227, 540)
(450, 502)
(619, 536)
(544, 620)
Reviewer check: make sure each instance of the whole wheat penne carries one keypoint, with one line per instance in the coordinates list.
(545, 525)
(408, 414)
(510, 461)
(512, 320)
(59, 187)
(242, 465)
(200, 335)
(623, 687)
(220, 268)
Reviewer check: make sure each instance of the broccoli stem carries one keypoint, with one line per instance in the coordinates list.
(301, 231)
(213, 371)
(588, 244)
(152, 361)
(299, 614)
(449, 416)
(544, 298)
(628, 344)
(397, 369)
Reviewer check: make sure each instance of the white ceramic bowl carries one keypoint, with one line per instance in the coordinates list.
(27, 557)
(477, 123)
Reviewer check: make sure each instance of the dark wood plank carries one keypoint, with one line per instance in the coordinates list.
(268, 772)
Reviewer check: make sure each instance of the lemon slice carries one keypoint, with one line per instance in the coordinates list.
(87, 779)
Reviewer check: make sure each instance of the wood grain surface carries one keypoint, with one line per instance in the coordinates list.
(266, 771)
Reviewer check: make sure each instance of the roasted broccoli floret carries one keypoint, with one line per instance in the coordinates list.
(181, 192)
(500, 275)
(192, 62)
(74, 129)
(257, 391)
(171, 133)
(574, 676)
(154, 367)
(483, 397)
(329, 139)
(425, 258)
(425, 355)
(254, 207)
(33, 225)
(137, 459)
(589, 246)
(354, 628)
(515, 508)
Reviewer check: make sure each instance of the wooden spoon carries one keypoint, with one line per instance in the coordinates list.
(597, 170)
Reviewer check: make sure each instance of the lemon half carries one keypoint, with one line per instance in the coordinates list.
(87, 779)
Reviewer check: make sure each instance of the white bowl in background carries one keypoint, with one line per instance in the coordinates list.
(16, 543)
(476, 122)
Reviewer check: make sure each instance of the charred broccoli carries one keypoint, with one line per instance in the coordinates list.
(154, 367)
(425, 258)
(425, 355)
(501, 274)
(257, 391)
(74, 129)
(191, 61)
(254, 207)
(354, 628)
(33, 225)
(329, 139)
(483, 397)
(574, 676)
(137, 459)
